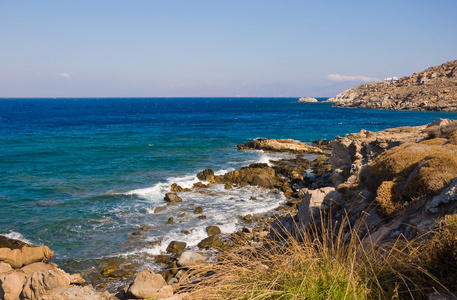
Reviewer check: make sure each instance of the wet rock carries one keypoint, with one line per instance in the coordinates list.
(158, 209)
(163, 259)
(170, 221)
(176, 247)
(200, 185)
(178, 189)
(203, 217)
(248, 218)
(212, 230)
(12, 244)
(228, 186)
(210, 242)
(182, 215)
(172, 198)
(190, 259)
(206, 175)
(186, 232)
(198, 210)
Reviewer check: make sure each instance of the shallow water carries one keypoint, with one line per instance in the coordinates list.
(80, 175)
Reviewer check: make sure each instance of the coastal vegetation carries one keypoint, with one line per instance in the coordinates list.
(324, 263)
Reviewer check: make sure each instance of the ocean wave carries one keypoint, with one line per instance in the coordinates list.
(16, 236)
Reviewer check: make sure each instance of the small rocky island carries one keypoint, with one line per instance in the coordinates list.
(307, 99)
(434, 89)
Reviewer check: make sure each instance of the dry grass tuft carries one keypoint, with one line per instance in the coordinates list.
(319, 263)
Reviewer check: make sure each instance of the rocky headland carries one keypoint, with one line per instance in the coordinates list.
(398, 183)
(434, 89)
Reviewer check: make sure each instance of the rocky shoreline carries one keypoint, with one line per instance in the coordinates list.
(434, 89)
(386, 179)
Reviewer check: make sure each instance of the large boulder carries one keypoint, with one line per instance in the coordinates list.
(190, 259)
(313, 201)
(210, 242)
(146, 284)
(213, 230)
(172, 198)
(40, 283)
(25, 256)
(11, 285)
(176, 247)
(254, 174)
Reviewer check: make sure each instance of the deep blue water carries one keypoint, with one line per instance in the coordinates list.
(70, 168)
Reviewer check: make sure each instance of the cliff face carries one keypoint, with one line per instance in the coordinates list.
(434, 89)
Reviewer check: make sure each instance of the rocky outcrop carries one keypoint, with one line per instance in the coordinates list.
(307, 99)
(434, 89)
(44, 281)
(25, 256)
(148, 284)
(279, 145)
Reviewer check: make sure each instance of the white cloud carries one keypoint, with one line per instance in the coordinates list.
(64, 75)
(341, 78)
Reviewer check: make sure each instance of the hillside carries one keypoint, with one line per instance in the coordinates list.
(434, 89)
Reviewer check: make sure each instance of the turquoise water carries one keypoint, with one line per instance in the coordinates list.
(79, 175)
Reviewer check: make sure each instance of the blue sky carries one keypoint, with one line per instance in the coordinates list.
(213, 48)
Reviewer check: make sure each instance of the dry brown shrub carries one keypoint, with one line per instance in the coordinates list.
(440, 252)
(388, 197)
(432, 142)
(396, 163)
(453, 138)
(434, 174)
(418, 169)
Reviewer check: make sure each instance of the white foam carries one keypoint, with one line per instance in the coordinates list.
(16, 236)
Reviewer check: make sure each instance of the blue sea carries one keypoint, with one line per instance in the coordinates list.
(80, 175)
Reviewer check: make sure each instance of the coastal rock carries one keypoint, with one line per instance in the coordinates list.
(253, 174)
(449, 195)
(146, 284)
(206, 175)
(11, 285)
(176, 247)
(313, 201)
(178, 189)
(25, 256)
(198, 210)
(5, 268)
(172, 198)
(307, 99)
(434, 89)
(77, 293)
(279, 145)
(6, 242)
(212, 230)
(40, 283)
(210, 242)
(158, 209)
(353, 151)
(190, 259)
